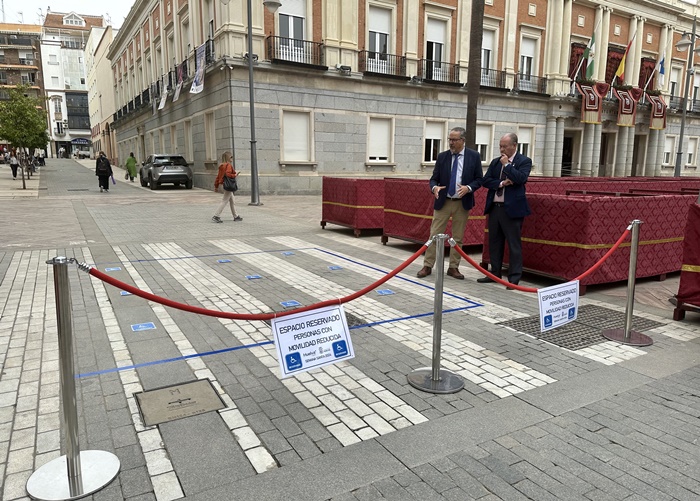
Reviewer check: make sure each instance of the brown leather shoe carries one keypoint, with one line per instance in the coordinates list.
(424, 272)
(454, 273)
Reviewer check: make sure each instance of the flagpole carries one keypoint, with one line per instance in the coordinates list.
(656, 67)
(580, 63)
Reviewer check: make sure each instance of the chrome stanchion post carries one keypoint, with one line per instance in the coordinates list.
(626, 335)
(64, 478)
(434, 379)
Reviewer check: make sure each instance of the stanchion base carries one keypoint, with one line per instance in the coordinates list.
(635, 338)
(422, 379)
(50, 482)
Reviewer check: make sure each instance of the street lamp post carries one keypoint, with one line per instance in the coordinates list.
(272, 6)
(686, 42)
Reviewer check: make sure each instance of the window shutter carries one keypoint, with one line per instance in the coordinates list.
(296, 136)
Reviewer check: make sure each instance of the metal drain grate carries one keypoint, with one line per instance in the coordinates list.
(585, 331)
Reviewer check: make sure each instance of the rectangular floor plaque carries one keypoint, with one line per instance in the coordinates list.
(178, 401)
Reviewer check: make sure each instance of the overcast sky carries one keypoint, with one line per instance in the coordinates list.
(29, 11)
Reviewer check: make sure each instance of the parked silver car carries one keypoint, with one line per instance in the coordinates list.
(163, 168)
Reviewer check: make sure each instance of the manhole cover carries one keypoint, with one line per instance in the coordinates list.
(585, 331)
(178, 401)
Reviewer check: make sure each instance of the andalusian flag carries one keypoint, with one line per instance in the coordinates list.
(589, 54)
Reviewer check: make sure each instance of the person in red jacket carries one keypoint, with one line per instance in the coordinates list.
(226, 169)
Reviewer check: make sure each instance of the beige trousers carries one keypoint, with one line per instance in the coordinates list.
(451, 210)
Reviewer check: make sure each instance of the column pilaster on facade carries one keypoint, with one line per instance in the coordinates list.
(632, 54)
(620, 152)
(597, 134)
(639, 44)
(586, 164)
(559, 141)
(553, 38)
(604, 41)
(631, 133)
(668, 56)
(349, 22)
(550, 146)
(510, 26)
(410, 32)
(565, 47)
(652, 145)
(661, 141)
(464, 30)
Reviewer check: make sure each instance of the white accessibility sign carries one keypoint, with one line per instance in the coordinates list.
(558, 305)
(312, 339)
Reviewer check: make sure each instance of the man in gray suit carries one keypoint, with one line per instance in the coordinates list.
(507, 207)
(456, 176)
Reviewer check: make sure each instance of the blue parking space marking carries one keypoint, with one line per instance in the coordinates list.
(288, 253)
(253, 277)
(113, 269)
(143, 327)
(125, 293)
(385, 292)
(223, 261)
(289, 304)
(335, 267)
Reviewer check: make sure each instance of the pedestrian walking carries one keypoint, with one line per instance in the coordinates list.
(130, 167)
(103, 171)
(226, 178)
(14, 164)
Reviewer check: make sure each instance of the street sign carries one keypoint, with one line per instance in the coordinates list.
(558, 305)
(312, 339)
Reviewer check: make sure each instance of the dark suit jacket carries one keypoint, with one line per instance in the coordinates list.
(471, 176)
(518, 172)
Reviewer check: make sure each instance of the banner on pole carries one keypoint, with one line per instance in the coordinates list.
(198, 82)
(658, 112)
(592, 101)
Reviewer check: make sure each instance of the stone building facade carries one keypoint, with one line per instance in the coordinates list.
(371, 87)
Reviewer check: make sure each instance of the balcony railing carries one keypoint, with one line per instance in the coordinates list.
(26, 62)
(137, 101)
(493, 78)
(209, 54)
(382, 64)
(146, 96)
(3, 81)
(530, 83)
(675, 102)
(294, 51)
(438, 71)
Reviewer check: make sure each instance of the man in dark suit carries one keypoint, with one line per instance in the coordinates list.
(507, 207)
(457, 174)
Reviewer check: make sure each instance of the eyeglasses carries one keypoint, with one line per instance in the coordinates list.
(452, 140)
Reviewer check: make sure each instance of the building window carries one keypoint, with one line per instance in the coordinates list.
(380, 139)
(434, 133)
(209, 136)
(692, 149)
(3, 78)
(528, 48)
(296, 136)
(483, 140)
(53, 59)
(379, 29)
(675, 77)
(669, 143)
(173, 135)
(525, 141)
(487, 47)
(435, 45)
(57, 105)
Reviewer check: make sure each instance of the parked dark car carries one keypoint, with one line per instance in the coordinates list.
(163, 168)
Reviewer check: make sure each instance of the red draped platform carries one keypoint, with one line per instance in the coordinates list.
(566, 235)
(688, 297)
(408, 212)
(355, 203)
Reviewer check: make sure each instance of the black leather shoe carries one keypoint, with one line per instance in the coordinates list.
(424, 272)
(512, 288)
(485, 280)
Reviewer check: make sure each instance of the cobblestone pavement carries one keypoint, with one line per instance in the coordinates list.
(534, 421)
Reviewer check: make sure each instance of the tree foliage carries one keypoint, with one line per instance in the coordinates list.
(23, 120)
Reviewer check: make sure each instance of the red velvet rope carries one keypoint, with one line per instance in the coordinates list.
(247, 316)
(531, 289)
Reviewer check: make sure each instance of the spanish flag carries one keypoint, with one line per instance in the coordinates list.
(620, 73)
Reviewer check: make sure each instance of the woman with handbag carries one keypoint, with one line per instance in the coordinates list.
(226, 178)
